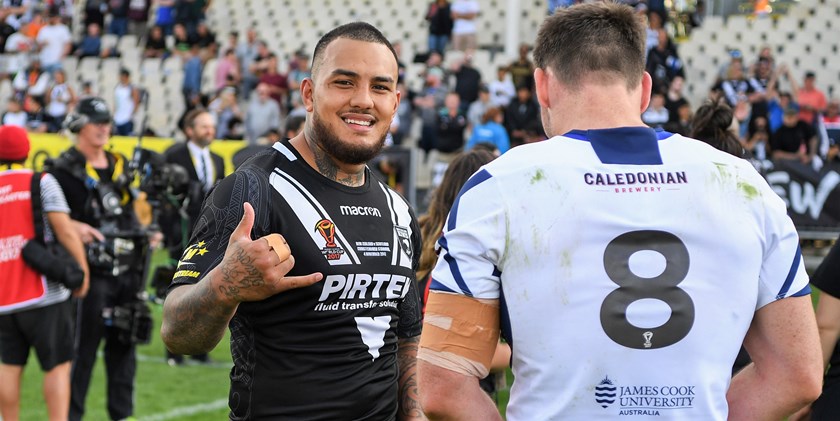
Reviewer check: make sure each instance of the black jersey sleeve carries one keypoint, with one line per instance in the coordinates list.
(220, 214)
(827, 275)
(411, 318)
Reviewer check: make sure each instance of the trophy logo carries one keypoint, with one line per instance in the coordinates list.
(331, 250)
(647, 335)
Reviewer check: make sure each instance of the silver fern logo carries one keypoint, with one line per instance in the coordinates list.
(605, 392)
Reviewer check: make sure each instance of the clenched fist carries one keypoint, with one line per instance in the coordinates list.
(253, 270)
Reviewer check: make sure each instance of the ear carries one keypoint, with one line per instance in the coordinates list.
(306, 94)
(647, 86)
(541, 81)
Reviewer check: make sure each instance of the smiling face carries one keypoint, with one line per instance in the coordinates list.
(351, 99)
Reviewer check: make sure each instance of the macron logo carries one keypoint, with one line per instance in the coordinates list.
(360, 211)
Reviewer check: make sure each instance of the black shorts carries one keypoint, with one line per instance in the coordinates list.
(47, 329)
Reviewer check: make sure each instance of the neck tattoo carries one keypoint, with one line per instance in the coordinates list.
(328, 168)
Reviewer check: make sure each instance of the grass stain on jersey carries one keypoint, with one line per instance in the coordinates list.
(539, 175)
(750, 192)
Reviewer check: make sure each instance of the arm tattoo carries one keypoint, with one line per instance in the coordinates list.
(409, 396)
(199, 322)
(327, 167)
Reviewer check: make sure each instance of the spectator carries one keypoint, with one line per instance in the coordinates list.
(522, 70)
(18, 48)
(246, 52)
(278, 84)
(439, 17)
(502, 89)
(232, 42)
(475, 113)
(674, 98)
(777, 101)
(465, 25)
(34, 80)
(760, 81)
(165, 15)
(126, 101)
(663, 63)
(191, 87)
(14, 115)
(260, 62)
(296, 76)
(206, 39)
(183, 39)
(451, 124)
(829, 124)
(138, 17)
(36, 315)
(521, 113)
(429, 101)
(54, 41)
(227, 70)
(33, 24)
(228, 116)
(758, 139)
(490, 130)
(190, 12)
(156, 44)
(654, 26)
(36, 117)
(734, 88)
(91, 43)
(87, 90)
(467, 81)
(682, 123)
(405, 113)
(795, 140)
(811, 100)
(119, 17)
(656, 114)
(60, 99)
(95, 12)
(736, 59)
(18, 13)
(263, 114)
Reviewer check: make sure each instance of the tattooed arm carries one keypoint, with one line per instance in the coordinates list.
(409, 398)
(195, 316)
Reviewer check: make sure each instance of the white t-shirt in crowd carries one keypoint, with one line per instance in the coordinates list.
(465, 26)
(54, 38)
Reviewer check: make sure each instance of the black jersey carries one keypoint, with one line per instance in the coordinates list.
(327, 351)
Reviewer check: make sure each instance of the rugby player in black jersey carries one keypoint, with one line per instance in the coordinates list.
(329, 332)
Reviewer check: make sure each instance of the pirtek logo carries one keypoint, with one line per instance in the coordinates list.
(365, 286)
(360, 211)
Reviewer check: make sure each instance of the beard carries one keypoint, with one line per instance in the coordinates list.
(340, 150)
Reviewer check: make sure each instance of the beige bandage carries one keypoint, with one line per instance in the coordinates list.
(278, 243)
(460, 333)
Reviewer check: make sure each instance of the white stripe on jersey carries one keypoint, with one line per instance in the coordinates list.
(285, 151)
(401, 217)
(309, 212)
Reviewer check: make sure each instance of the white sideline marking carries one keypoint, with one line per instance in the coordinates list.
(186, 411)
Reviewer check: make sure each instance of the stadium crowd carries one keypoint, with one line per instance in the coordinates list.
(256, 92)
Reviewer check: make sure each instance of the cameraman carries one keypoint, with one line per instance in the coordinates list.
(96, 183)
(205, 169)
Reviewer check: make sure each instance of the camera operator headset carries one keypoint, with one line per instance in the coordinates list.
(97, 185)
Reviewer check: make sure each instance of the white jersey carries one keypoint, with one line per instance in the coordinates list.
(628, 264)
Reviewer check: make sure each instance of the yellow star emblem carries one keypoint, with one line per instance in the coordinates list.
(201, 251)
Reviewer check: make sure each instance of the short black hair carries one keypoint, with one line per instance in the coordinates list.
(358, 31)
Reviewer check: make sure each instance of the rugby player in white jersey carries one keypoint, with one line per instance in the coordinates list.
(624, 265)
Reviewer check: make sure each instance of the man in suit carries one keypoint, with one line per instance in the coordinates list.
(205, 169)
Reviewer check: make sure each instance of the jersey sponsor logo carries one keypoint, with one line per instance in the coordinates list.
(605, 393)
(364, 286)
(804, 197)
(360, 211)
(187, 274)
(404, 238)
(638, 182)
(331, 250)
(644, 399)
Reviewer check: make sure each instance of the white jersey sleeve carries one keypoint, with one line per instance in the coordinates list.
(473, 241)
